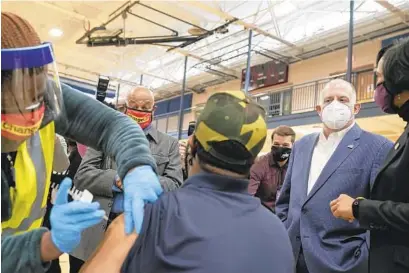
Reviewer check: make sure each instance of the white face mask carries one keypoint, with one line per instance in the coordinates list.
(336, 115)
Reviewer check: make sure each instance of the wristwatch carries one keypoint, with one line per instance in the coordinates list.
(355, 207)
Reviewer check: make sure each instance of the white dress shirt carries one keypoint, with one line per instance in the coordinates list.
(323, 151)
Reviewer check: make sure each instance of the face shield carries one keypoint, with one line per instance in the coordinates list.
(30, 91)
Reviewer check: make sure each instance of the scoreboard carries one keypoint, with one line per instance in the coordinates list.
(267, 74)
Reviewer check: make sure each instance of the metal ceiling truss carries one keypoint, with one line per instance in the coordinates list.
(131, 83)
(219, 29)
(278, 56)
(119, 38)
(395, 10)
(221, 74)
(203, 86)
(218, 60)
(342, 44)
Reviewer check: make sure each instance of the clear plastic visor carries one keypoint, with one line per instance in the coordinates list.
(30, 90)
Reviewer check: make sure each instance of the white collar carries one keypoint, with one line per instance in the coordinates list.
(336, 135)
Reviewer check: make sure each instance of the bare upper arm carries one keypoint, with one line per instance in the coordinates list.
(113, 250)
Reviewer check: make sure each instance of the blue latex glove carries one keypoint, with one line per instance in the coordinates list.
(141, 185)
(68, 220)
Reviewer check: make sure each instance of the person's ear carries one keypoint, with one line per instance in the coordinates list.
(318, 109)
(357, 108)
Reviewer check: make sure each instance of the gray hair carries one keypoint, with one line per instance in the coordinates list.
(124, 94)
(339, 84)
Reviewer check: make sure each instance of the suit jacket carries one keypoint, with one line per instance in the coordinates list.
(386, 215)
(97, 174)
(330, 245)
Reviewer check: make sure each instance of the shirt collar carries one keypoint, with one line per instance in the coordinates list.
(151, 132)
(336, 135)
(217, 182)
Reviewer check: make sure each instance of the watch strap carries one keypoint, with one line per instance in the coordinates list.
(355, 207)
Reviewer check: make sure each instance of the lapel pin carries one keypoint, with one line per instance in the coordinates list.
(350, 146)
(397, 146)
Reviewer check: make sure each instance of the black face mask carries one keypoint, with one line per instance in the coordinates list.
(403, 111)
(280, 154)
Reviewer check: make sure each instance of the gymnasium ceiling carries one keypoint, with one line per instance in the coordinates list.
(283, 29)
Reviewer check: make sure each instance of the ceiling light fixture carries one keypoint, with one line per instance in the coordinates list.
(55, 32)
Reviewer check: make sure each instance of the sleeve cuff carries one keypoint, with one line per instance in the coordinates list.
(367, 213)
(123, 169)
(35, 251)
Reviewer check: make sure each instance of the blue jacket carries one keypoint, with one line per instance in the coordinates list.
(210, 225)
(330, 245)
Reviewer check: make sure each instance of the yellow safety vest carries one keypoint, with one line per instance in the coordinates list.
(32, 167)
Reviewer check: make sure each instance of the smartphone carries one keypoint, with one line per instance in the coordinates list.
(191, 129)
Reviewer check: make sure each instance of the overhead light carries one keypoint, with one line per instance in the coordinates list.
(264, 97)
(55, 32)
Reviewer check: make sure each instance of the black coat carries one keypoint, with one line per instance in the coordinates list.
(57, 178)
(386, 215)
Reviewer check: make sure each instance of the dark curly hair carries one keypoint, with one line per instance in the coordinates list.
(382, 52)
(396, 68)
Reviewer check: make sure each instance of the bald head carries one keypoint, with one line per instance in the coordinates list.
(140, 98)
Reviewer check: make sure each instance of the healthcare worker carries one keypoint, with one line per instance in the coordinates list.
(35, 106)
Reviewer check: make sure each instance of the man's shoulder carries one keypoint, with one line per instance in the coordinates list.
(91, 153)
(262, 160)
(165, 137)
(307, 139)
(375, 139)
(163, 201)
(269, 223)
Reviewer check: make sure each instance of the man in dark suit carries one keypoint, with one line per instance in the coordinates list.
(97, 172)
(386, 213)
(342, 158)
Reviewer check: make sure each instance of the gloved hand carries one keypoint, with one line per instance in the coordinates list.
(141, 185)
(68, 220)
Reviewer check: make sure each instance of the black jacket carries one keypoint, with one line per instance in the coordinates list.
(386, 215)
(57, 178)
